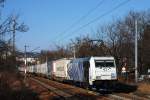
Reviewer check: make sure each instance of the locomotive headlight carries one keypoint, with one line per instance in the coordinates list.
(113, 75)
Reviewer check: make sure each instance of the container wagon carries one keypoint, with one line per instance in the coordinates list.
(59, 69)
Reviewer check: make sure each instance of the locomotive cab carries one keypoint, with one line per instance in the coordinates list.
(103, 71)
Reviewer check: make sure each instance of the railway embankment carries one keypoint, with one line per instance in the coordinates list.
(12, 87)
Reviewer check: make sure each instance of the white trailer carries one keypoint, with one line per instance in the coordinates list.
(92, 70)
(42, 69)
(59, 68)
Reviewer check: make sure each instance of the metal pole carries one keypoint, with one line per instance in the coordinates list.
(25, 60)
(46, 56)
(14, 52)
(74, 52)
(136, 53)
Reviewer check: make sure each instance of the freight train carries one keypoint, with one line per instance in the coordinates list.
(88, 72)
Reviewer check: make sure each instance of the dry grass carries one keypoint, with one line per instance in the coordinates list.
(13, 88)
(144, 88)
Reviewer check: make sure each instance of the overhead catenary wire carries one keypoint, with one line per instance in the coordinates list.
(81, 18)
(97, 18)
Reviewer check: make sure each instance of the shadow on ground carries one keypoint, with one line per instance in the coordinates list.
(119, 88)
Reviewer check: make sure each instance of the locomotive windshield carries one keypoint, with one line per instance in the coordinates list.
(104, 63)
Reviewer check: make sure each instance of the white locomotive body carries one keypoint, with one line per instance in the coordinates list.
(92, 70)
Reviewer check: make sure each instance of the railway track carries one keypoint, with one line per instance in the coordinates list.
(55, 90)
(132, 96)
(68, 92)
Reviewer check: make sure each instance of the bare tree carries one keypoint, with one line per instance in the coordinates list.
(7, 44)
(120, 37)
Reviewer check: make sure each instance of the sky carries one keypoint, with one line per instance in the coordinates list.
(50, 21)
